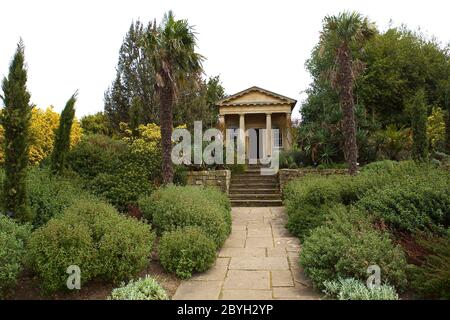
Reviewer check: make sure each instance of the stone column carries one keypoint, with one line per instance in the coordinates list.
(241, 143)
(269, 141)
(289, 141)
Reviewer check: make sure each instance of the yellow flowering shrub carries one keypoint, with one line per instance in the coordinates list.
(42, 134)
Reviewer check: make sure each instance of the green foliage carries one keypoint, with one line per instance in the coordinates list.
(96, 154)
(95, 124)
(436, 129)
(345, 246)
(142, 289)
(13, 239)
(291, 159)
(393, 143)
(50, 195)
(379, 166)
(417, 110)
(62, 137)
(119, 171)
(93, 236)
(131, 96)
(186, 250)
(173, 207)
(15, 118)
(352, 289)
(432, 278)
(398, 62)
(417, 201)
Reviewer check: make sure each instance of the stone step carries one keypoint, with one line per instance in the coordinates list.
(254, 190)
(256, 203)
(254, 178)
(253, 185)
(254, 174)
(254, 196)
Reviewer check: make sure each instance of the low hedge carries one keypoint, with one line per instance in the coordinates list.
(93, 236)
(186, 250)
(346, 245)
(412, 203)
(13, 240)
(174, 207)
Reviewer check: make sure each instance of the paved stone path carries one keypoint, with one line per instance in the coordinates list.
(259, 261)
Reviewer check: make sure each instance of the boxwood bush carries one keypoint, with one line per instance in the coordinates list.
(346, 245)
(13, 239)
(94, 236)
(186, 250)
(174, 207)
(142, 289)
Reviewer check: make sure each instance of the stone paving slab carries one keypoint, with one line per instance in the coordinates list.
(246, 295)
(259, 261)
(242, 252)
(282, 278)
(198, 290)
(242, 279)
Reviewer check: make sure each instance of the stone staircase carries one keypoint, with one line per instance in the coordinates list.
(251, 189)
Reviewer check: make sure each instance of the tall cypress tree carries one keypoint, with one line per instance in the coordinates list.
(62, 138)
(16, 122)
(417, 109)
(447, 122)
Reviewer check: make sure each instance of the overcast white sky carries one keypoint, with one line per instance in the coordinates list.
(74, 44)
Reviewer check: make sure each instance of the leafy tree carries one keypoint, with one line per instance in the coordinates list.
(197, 101)
(132, 99)
(171, 48)
(16, 123)
(399, 63)
(95, 124)
(340, 35)
(62, 139)
(417, 109)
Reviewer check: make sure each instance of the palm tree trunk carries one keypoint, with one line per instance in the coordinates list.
(345, 81)
(166, 104)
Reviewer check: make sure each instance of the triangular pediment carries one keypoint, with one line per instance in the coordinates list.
(255, 96)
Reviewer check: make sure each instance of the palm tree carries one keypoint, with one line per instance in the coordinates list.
(340, 36)
(171, 48)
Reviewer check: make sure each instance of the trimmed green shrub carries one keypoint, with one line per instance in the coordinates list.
(58, 245)
(345, 246)
(174, 207)
(142, 289)
(415, 202)
(432, 278)
(95, 154)
(305, 219)
(50, 195)
(352, 289)
(186, 250)
(118, 171)
(93, 236)
(13, 239)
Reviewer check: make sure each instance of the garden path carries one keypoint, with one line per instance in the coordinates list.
(259, 261)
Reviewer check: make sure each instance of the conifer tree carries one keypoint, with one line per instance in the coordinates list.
(62, 137)
(16, 122)
(417, 109)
